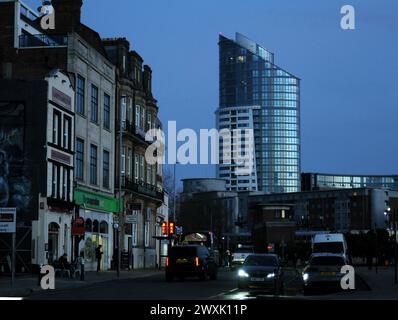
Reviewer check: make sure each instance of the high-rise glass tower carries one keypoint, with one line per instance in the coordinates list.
(257, 94)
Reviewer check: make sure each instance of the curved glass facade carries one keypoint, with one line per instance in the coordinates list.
(249, 77)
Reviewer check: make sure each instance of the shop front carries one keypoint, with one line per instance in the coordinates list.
(97, 211)
(51, 233)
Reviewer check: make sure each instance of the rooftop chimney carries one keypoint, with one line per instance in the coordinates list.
(67, 14)
(147, 79)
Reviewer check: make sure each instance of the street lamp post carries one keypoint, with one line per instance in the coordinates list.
(395, 245)
(121, 211)
(211, 219)
(377, 249)
(174, 193)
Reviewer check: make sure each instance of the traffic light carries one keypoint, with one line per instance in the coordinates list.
(164, 228)
(168, 228)
(171, 228)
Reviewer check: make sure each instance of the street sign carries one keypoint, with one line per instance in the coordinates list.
(8, 220)
(130, 218)
(78, 228)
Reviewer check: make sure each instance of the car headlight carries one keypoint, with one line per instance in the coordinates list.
(305, 276)
(271, 275)
(242, 274)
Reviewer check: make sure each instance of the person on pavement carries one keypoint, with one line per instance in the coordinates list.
(98, 255)
(63, 262)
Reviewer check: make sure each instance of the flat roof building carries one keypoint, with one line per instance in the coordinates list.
(323, 181)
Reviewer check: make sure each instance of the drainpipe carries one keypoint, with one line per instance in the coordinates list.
(120, 188)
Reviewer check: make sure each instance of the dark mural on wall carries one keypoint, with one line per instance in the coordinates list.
(15, 182)
(23, 116)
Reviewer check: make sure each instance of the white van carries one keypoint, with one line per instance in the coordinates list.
(330, 243)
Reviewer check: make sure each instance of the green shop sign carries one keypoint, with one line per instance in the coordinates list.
(95, 201)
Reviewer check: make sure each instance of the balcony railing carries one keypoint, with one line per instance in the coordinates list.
(141, 187)
(42, 40)
(134, 130)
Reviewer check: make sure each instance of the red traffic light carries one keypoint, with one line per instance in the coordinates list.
(164, 228)
(168, 228)
(171, 228)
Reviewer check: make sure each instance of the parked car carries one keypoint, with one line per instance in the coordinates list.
(240, 255)
(261, 272)
(323, 272)
(190, 261)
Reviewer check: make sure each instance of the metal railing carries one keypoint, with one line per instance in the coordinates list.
(42, 40)
(141, 187)
(134, 130)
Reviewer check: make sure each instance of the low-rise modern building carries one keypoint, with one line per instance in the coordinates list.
(343, 210)
(324, 181)
(273, 227)
(208, 205)
(263, 219)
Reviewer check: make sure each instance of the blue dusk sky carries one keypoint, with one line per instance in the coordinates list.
(349, 78)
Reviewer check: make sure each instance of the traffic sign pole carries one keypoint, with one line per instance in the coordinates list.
(8, 224)
(13, 260)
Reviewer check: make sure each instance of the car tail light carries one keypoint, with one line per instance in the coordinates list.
(167, 262)
(197, 261)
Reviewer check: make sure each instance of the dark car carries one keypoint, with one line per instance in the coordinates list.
(190, 261)
(323, 272)
(261, 272)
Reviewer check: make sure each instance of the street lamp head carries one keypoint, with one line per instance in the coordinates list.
(388, 209)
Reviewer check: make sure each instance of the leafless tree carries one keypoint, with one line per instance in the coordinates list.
(174, 193)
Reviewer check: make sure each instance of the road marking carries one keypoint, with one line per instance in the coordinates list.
(223, 293)
(10, 299)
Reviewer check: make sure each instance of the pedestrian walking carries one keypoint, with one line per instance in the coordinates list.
(80, 261)
(98, 255)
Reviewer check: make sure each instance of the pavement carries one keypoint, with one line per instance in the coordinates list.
(382, 285)
(26, 285)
